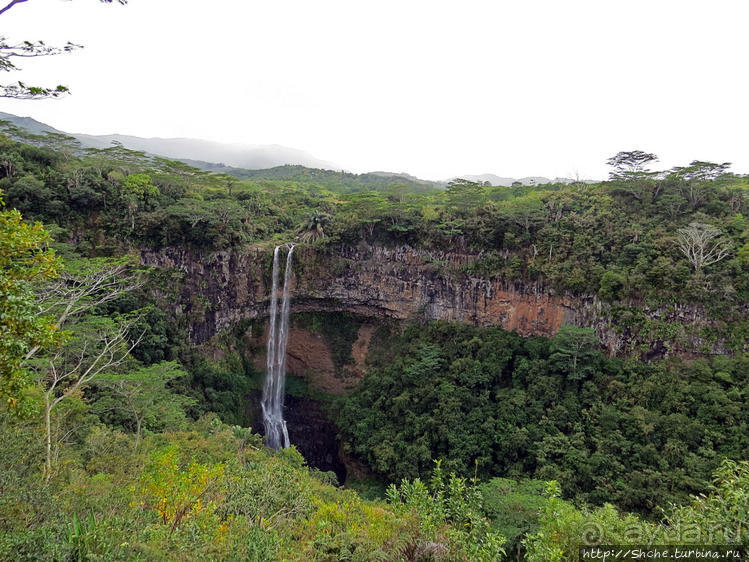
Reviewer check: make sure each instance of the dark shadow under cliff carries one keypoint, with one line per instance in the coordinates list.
(310, 430)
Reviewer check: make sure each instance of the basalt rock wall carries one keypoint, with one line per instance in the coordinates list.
(221, 288)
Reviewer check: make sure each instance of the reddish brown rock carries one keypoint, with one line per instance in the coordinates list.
(222, 288)
(308, 356)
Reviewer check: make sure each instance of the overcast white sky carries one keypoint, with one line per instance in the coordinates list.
(436, 89)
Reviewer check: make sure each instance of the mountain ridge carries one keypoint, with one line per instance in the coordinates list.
(233, 157)
(249, 156)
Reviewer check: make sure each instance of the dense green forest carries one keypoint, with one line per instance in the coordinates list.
(327, 179)
(124, 441)
(619, 239)
(608, 430)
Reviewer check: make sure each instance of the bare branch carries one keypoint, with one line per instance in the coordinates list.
(70, 296)
(111, 355)
(90, 352)
(10, 5)
(29, 49)
(702, 245)
(14, 2)
(21, 91)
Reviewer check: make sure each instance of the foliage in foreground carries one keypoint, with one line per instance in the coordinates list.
(24, 260)
(211, 492)
(718, 518)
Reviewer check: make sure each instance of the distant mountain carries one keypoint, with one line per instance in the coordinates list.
(278, 162)
(405, 176)
(28, 124)
(250, 156)
(481, 178)
(506, 182)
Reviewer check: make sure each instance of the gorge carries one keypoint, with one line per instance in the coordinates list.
(376, 286)
(553, 347)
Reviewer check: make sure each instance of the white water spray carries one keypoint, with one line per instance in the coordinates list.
(276, 435)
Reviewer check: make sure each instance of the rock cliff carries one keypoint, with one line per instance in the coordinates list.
(222, 288)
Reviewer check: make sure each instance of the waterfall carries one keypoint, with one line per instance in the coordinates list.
(276, 435)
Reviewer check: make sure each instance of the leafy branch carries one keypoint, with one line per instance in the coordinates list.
(29, 49)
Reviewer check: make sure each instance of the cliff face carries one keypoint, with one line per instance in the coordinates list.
(406, 283)
(222, 288)
(310, 357)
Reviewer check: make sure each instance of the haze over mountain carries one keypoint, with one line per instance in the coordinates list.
(529, 180)
(250, 156)
(222, 157)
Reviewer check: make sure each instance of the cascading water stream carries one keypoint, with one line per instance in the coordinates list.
(276, 435)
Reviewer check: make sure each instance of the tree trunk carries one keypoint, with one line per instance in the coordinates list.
(137, 431)
(48, 444)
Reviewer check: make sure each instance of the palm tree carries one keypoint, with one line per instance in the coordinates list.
(313, 226)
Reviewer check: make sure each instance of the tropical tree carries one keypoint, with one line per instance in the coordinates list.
(696, 180)
(701, 171)
(96, 346)
(177, 491)
(136, 190)
(25, 258)
(630, 164)
(702, 244)
(313, 228)
(526, 212)
(464, 195)
(631, 173)
(142, 396)
(93, 344)
(367, 209)
(573, 349)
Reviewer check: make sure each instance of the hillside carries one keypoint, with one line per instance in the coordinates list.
(472, 369)
(328, 179)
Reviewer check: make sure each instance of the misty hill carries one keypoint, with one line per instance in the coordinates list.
(404, 175)
(265, 161)
(28, 124)
(252, 156)
(261, 162)
(507, 182)
(327, 179)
